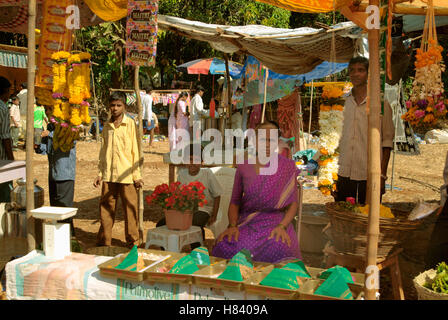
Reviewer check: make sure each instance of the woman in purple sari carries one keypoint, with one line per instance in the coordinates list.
(261, 210)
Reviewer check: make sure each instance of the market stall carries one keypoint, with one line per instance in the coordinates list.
(164, 275)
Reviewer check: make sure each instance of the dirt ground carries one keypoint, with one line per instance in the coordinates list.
(426, 168)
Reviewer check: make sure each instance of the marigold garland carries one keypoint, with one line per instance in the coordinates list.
(71, 89)
(330, 122)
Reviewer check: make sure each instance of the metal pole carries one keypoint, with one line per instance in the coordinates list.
(140, 150)
(31, 236)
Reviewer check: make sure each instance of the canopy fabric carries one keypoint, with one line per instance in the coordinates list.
(13, 59)
(285, 51)
(308, 6)
(417, 7)
(210, 66)
(252, 70)
(416, 23)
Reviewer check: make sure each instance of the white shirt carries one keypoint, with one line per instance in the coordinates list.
(147, 106)
(23, 96)
(212, 187)
(197, 109)
(237, 121)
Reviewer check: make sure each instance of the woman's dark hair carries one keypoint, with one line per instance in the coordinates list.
(118, 95)
(362, 60)
(269, 123)
(181, 95)
(199, 88)
(4, 85)
(24, 85)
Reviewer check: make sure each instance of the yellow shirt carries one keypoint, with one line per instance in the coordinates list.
(119, 156)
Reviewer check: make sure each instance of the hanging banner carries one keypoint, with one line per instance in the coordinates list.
(141, 33)
(55, 36)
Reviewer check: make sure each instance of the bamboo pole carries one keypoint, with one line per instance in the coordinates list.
(31, 236)
(374, 157)
(140, 151)
(265, 93)
(95, 101)
(229, 91)
(311, 112)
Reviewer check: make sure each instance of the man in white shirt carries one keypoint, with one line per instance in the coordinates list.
(148, 120)
(23, 97)
(14, 112)
(197, 111)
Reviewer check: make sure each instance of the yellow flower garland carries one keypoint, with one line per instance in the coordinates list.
(71, 81)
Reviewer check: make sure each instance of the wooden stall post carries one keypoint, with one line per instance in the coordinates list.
(265, 93)
(140, 151)
(374, 155)
(30, 236)
(229, 91)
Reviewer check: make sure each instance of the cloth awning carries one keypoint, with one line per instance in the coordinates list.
(13, 59)
(308, 6)
(285, 51)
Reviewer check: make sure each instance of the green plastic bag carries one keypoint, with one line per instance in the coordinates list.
(130, 262)
(297, 267)
(239, 267)
(201, 256)
(281, 278)
(343, 272)
(186, 265)
(335, 286)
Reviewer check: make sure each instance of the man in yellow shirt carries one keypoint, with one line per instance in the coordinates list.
(119, 171)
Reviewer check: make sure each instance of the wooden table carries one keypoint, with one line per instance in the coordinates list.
(172, 166)
(358, 263)
(12, 170)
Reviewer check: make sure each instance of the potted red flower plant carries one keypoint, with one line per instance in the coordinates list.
(179, 201)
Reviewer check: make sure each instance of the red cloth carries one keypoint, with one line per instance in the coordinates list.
(287, 117)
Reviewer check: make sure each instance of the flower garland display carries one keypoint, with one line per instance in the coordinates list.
(426, 103)
(330, 122)
(71, 89)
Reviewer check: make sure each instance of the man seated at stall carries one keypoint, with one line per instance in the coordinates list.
(262, 208)
(192, 172)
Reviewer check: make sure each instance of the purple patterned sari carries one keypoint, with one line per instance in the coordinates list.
(262, 200)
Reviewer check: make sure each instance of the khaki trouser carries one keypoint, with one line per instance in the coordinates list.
(108, 205)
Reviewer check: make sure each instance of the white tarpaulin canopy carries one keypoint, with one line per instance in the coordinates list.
(285, 51)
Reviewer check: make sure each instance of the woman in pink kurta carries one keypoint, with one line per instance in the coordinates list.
(181, 114)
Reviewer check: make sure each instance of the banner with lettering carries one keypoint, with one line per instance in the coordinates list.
(55, 36)
(141, 33)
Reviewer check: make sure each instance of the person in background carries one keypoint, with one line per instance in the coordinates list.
(23, 97)
(207, 214)
(5, 136)
(119, 172)
(181, 116)
(14, 112)
(236, 122)
(61, 170)
(352, 175)
(39, 118)
(197, 111)
(148, 120)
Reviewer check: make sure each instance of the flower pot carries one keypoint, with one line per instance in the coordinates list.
(178, 220)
